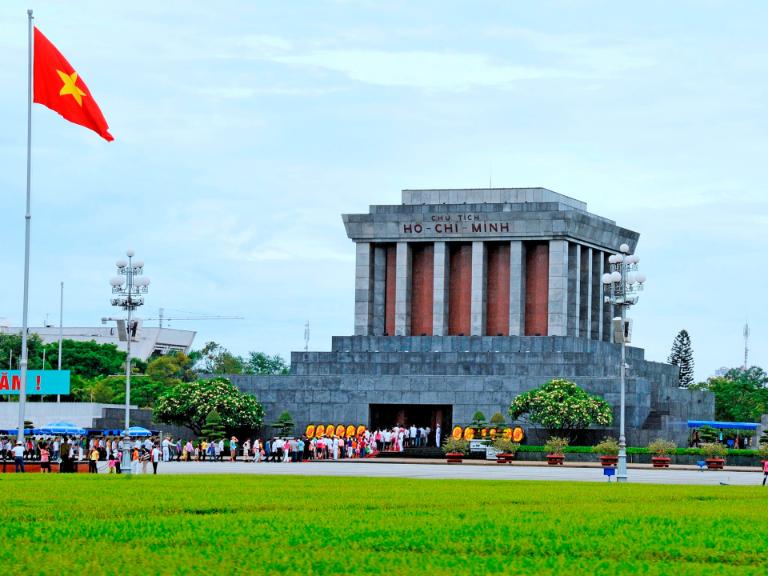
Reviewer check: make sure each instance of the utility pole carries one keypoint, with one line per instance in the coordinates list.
(306, 336)
(746, 345)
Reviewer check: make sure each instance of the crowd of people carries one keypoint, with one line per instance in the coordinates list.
(108, 453)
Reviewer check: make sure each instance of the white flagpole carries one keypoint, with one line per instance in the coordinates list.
(27, 218)
(61, 331)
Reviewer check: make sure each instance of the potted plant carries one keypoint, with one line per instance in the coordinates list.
(506, 450)
(661, 448)
(455, 450)
(714, 453)
(555, 449)
(608, 450)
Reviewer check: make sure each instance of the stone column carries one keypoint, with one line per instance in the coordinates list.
(403, 290)
(379, 289)
(598, 269)
(585, 305)
(574, 288)
(440, 291)
(363, 290)
(557, 321)
(516, 289)
(607, 307)
(479, 278)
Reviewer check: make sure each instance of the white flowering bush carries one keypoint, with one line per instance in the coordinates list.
(189, 403)
(561, 407)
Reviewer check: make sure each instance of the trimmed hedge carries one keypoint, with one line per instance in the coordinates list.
(636, 450)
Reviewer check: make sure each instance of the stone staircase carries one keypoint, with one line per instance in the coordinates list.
(654, 419)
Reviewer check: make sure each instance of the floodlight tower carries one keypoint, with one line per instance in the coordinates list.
(128, 289)
(621, 286)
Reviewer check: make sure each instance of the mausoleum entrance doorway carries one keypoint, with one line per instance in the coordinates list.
(381, 416)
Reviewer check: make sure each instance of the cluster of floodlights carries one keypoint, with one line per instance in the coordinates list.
(130, 284)
(623, 281)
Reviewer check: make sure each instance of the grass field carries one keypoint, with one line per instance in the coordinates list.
(302, 525)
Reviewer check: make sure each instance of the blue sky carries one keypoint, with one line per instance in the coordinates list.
(244, 129)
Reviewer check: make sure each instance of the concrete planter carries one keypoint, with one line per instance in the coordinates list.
(715, 463)
(454, 457)
(555, 459)
(660, 461)
(609, 461)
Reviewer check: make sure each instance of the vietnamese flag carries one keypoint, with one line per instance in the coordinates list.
(59, 87)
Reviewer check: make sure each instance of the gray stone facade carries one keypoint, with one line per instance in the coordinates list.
(479, 371)
(474, 373)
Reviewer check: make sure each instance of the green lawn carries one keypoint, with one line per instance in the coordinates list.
(302, 525)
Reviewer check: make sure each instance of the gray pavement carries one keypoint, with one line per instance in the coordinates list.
(437, 469)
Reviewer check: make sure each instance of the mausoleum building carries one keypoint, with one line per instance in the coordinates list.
(465, 299)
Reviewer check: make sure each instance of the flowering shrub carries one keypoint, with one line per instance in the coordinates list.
(188, 404)
(607, 447)
(561, 406)
(455, 446)
(661, 447)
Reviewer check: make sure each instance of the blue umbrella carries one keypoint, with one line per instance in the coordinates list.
(138, 431)
(62, 428)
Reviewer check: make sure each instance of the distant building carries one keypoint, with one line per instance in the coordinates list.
(147, 341)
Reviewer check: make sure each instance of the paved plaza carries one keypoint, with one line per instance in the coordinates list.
(468, 471)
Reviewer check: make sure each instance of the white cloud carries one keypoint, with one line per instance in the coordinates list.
(421, 69)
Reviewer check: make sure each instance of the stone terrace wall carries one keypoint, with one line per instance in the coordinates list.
(473, 373)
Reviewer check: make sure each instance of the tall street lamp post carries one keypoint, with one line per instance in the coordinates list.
(127, 289)
(621, 286)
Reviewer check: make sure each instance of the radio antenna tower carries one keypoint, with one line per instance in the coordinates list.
(746, 345)
(306, 337)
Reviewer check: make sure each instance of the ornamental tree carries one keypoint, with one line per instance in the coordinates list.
(284, 424)
(213, 428)
(682, 356)
(561, 407)
(189, 403)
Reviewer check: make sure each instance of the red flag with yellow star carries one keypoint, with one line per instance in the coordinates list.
(59, 87)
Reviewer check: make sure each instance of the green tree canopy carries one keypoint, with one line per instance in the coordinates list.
(561, 407)
(740, 395)
(261, 363)
(215, 359)
(88, 359)
(189, 403)
(10, 351)
(171, 369)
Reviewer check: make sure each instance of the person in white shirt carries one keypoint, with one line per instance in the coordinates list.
(155, 454)
(166, 450)
(438, 432)
(335, 448)
(18, 457)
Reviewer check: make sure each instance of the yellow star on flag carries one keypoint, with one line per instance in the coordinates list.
(70, 86)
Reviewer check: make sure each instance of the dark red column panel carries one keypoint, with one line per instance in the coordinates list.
(389, 295)
(460, 288)
(422, 283)
(497, 286)
(536, 288)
